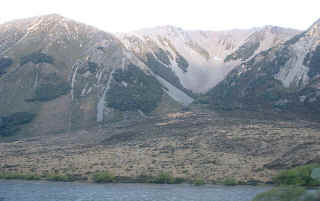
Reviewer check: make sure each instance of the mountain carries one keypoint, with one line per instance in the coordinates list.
(76, 100)
(63, 75)
(285, 77)
(198, 60)
(261, 40)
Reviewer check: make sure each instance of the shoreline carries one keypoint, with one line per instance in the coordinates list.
(127, 180)
(141, 183)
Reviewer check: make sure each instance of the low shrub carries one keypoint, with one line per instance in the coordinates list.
(198, 182)
(164, 178)
(167, 178)
(59, 177)
(22, 176)
(103, 177)
(284, 193)
(301, 175)
(230, 182)
(179, 180)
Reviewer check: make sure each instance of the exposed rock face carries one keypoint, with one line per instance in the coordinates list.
(198, 60)
(285, 76)
(261, 40)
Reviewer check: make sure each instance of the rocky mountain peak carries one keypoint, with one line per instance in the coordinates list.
(167, 31)
(53, 17)
(314, 30)
(261, 40)
(273, 29)
(54, 24)
(49, 19)
(52, 20)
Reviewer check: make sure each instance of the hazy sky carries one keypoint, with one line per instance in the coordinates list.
(127, 15)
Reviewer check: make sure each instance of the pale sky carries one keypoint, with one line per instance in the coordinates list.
(128, 15)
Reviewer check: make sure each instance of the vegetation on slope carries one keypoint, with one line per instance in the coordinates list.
(166, 73)
(92, 67)
(51, 87)
(133, 90)
(252, 83)
(50, 91)
(182, 63)
(36, 58)
(4, 64)
(313, 60)
(197, 48)
(11, 124)
(244, 52)
(295, 39)
(163, 56)
(162, 70)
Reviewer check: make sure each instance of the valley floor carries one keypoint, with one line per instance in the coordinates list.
(211, 146)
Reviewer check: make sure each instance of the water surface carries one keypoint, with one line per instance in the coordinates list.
(14, 190)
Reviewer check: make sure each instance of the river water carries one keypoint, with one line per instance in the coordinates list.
(14, 190)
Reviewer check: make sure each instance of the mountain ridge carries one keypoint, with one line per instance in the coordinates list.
(75, 62)
(205, 51)
(65, 65)
(283, 77)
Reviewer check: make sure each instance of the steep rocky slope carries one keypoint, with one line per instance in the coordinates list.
(198, 60)
(57, 74)
(284, 77)
(261, 40)
(63, 75)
